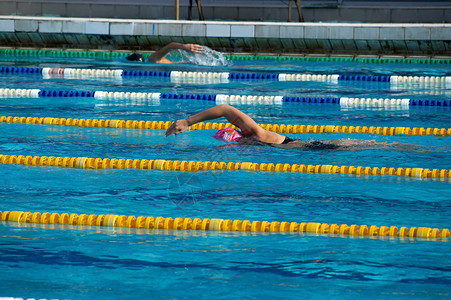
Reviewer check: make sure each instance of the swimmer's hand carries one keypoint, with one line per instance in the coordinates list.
(177, 127)
(195, 48)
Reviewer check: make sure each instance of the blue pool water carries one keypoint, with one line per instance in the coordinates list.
(68, 262)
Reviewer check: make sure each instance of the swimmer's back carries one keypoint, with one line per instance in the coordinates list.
(309, 145)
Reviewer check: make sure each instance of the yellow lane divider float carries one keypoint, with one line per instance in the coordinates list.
(281, 128)
(220, 225)
(193, 166)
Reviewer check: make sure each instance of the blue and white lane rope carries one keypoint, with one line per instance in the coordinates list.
(71, 72)
(223, 99)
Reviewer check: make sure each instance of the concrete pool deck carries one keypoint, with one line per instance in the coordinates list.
(228, 36)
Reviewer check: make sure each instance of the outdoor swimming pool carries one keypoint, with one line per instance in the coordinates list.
(86, 262)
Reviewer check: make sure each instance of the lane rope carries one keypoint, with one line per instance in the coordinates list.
(217, 224)
(373, 60)
(280, 128)
(233, 57)
(195, 166)
(437, 81)
(222, 98)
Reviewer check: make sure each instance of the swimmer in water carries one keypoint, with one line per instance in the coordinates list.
(252, 134)
(160, 55)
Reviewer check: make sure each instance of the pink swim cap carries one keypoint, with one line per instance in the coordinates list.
(228, 135)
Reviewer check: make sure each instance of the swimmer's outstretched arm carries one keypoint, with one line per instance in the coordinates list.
(159, 56)
(247, 125)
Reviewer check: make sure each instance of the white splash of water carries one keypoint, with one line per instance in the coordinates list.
(208, 57)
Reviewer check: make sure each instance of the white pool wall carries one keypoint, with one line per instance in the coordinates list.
(266, 37)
